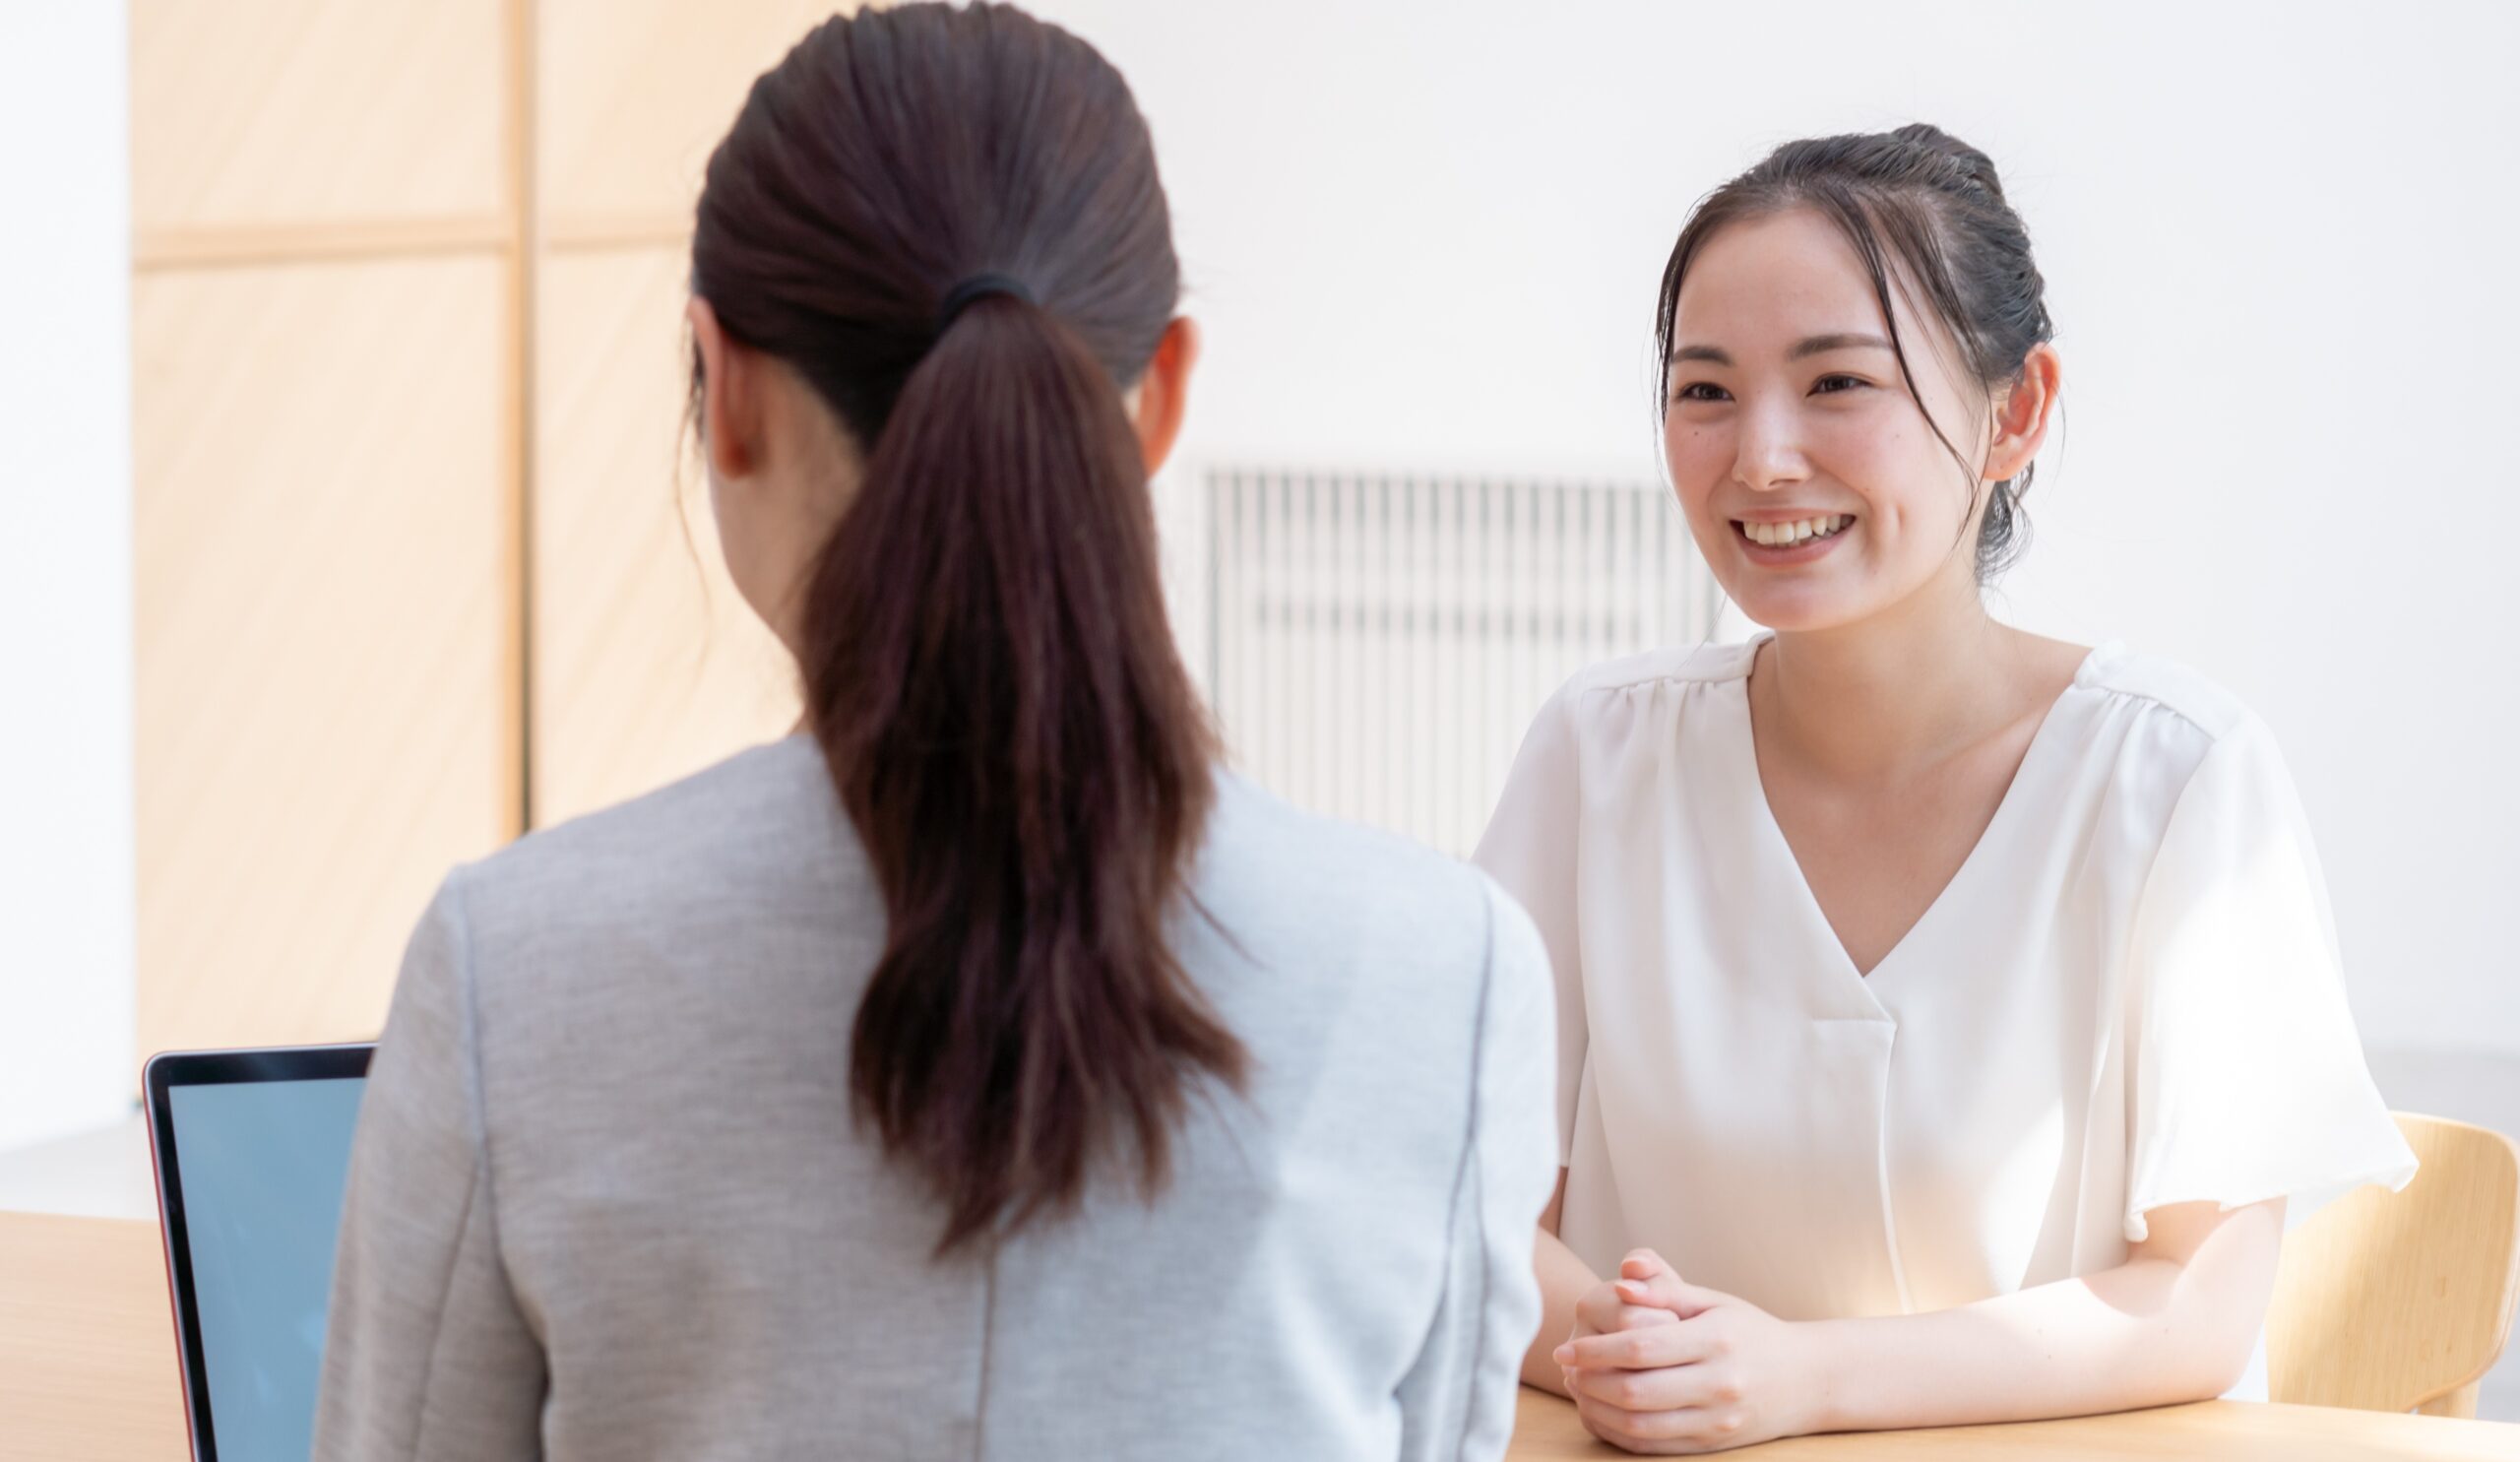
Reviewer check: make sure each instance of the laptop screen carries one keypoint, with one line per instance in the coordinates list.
(262, 1165)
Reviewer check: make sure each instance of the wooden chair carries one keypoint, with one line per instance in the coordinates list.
(2402, 1302)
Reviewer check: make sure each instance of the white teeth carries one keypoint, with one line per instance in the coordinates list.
(1793, 534)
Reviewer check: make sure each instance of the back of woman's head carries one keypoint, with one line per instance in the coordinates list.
(1921, 205)
(948, 222)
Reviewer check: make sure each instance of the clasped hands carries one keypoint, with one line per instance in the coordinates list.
(1661, 1366)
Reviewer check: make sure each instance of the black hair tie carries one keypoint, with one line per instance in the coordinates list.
(972, 289)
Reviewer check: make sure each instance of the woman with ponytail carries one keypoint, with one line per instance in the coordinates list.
(980, 1071)
(1948, 1016)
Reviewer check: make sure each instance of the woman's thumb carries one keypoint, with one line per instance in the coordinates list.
(1646, 1279)
(1645, 1263)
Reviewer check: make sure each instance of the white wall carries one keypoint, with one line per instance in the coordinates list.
(1426, 233)
(2279, 248)
(66, 1058)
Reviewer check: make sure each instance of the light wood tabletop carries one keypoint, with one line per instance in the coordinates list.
(86, 1343)
(88, 1374)
(1546, 1430)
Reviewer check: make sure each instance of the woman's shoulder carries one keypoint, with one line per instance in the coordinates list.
(753, 821)
(1325, 874)
(2169, 689)
(718, 876)
(2169, 729)
(1682, 666)
(1610, 696)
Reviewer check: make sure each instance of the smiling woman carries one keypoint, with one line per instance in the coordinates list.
(1829, 448)
(1946, 1014)
(1938, 209)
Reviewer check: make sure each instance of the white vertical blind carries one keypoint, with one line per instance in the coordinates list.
(1376, 642)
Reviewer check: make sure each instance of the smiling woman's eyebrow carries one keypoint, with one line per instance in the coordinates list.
(1817, 344)
(1809, 345)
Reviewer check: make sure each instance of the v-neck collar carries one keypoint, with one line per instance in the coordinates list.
(2005, 813)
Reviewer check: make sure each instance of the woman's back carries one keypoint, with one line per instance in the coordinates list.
(975, 1073)
(609, 1200)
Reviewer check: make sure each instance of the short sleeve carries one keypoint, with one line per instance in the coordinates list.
(1530, 850)
(2248, 1080)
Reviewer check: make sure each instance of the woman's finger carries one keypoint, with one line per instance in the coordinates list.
(1677, 1341)
(1645, 1263)
(1665, 1291)
(1664, 1388)
(1647, 1280)
(1637, 1429)
(1601, 1309)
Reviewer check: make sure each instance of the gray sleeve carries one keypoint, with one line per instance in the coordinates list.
(1457, 1402)
(426, 1355)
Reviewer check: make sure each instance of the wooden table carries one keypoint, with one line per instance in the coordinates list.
(88, 1374)
(1547, 1429)
(86, 1343)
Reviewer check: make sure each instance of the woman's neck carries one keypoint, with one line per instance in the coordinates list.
(1900, 690)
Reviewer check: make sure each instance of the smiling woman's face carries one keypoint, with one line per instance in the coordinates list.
(1814, 487)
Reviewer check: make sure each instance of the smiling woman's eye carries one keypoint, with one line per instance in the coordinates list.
(1690, 392)
(1852, 381)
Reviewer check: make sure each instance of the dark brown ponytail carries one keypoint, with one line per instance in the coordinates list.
(986, 658)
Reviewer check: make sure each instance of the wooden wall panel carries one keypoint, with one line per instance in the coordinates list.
(256, 114)
(409, 275)
(648, 662)
(318, 561)
(633, 93)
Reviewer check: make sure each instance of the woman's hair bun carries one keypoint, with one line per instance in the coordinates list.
(1979, 167)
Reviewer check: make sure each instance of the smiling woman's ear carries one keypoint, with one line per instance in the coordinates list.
(2022, 415)
(730, 414)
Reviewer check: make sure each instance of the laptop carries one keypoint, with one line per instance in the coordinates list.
(252, 1150)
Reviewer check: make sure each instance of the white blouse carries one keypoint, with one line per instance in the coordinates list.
(2128, 996)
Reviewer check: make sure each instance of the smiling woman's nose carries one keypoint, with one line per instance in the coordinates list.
(1766, 453)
